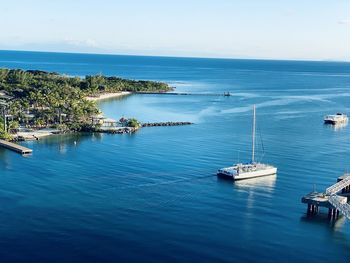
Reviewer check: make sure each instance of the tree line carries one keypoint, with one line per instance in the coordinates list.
(42, 99)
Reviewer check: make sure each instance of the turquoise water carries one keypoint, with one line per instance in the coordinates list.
(153, 196)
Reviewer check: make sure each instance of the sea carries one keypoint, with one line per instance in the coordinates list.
(153, 196)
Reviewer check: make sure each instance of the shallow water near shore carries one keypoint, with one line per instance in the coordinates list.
(153, 196)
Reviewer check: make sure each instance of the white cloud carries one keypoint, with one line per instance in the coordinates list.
(344, 22)
(81, 43)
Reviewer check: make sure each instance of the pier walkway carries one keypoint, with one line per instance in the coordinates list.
(15, 147)
(340, 205)
(340, 185)
(333, 200)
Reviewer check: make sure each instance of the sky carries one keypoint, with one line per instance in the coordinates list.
(267, 29)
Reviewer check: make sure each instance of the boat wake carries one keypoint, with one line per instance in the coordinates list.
(170, 182)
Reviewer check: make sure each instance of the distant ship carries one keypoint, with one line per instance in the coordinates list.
(336, 118)
(254, 169)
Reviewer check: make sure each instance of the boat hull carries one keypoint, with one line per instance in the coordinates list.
(336, 119)
(334, 122)
(248, 175)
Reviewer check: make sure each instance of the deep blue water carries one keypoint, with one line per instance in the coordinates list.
(153, 196)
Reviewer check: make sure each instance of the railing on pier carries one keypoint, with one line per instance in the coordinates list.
(343, 208)
(332, 190)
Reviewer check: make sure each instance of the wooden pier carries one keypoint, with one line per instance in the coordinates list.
(335, 199)
(15, 147)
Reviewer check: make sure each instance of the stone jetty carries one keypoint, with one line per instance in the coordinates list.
(121, 130)
(129, 130)
(169, 123)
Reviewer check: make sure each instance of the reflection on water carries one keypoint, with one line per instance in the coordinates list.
(64, 140)
(265, 183)
(256, 186)
(4, 158)
(339, 223)
(322, 219)
(337, 127)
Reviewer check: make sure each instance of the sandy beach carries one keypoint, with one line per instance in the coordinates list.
(108, 95)
(28, 134)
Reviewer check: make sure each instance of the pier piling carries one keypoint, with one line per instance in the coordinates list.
(331, 199)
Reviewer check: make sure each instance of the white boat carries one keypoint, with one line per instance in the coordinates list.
(254, 169)
(336, 118)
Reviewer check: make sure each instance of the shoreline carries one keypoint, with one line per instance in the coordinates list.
(104, 96)
(37, 134)
(32, 135)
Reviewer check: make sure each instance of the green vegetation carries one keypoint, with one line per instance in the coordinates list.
(3, 134)
(46, 99)
(134, 123)
(97, 84)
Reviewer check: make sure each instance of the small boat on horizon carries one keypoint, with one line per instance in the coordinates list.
(336, 118)
(253, 169)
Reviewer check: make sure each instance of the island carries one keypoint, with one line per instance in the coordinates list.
(48, 102)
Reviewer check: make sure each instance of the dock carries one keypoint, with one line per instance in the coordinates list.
(15, 147)
(335, 199)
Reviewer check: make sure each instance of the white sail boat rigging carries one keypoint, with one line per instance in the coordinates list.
(249, 170)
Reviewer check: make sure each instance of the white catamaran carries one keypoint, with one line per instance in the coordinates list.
(339, 118)
(249, 170)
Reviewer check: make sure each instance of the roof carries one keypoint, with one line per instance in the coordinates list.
(29, 115)
(98, 117)
(109, 120)
(4, 96)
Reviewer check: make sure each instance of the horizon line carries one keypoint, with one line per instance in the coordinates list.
(174, 56)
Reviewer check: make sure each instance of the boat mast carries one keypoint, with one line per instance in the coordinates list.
(254, 124)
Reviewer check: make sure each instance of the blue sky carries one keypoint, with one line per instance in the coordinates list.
(274, 29)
